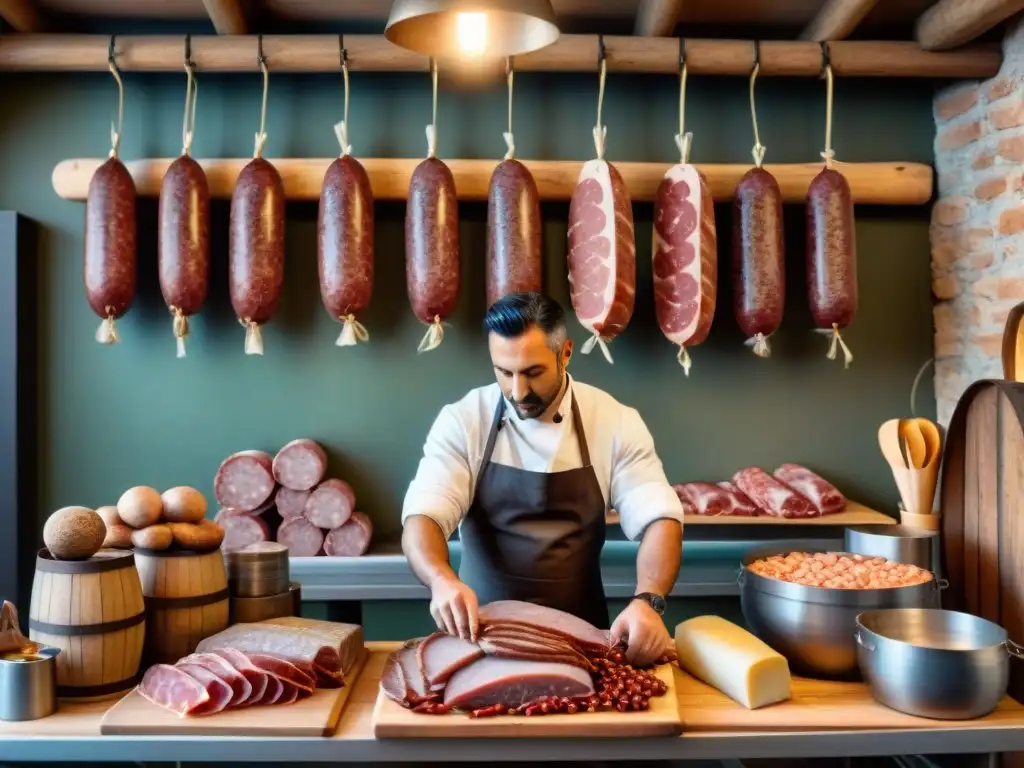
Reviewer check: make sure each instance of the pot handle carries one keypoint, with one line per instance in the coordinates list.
(1013, 649)
(741, 576)
(863, 642)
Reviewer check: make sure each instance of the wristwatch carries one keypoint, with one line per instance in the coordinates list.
(657, 602)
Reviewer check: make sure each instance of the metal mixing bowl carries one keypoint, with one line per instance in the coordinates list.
(814, 627)
(940, 664)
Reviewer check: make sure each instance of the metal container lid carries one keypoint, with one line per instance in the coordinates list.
(260, 551)
(892, 531)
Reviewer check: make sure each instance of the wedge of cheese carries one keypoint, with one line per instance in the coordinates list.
(729, 658)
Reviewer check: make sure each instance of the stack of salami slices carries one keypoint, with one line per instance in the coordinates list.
(287, 498)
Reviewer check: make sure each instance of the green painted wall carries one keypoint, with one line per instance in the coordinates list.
(112, 417)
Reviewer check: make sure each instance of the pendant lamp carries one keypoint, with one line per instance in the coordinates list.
(472, 29)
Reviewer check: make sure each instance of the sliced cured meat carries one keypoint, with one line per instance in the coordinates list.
(713, 500)
(330, 504)
(274, 691)
(551, 643)
(342, 643)
(584, 635)
(285, 670)
(241, 688)
(519, 648)
(772, 495)
(257, 678)
(300, 464)
(350, 539)
(825, 497)
(220, 692)
(602, 253)
(241, 529)
(392, 681)
(302, 538)
(746, 506)
(174, 689)
(417, 687)
(290, 503)
(685, 258)
(442, 655)
(245, 480)
(513, 682)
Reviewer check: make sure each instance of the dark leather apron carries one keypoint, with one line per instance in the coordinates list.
(537, 536)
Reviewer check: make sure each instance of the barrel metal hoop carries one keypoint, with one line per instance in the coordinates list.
(94, 691)
(82, 630)
(47, 563)
(193, 601)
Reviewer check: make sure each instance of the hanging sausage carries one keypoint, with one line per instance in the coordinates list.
(513, 223)
(110, 258)
(684, 246)
(432, 255)
(184, 224)
(831, 242)
(759, 250)
(256, 236)
(602, 245)
(345, 235)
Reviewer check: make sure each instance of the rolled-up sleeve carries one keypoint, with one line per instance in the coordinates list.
(640, 491)
(442, 487)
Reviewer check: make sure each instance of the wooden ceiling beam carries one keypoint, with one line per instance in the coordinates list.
(22, 15)
(657, 18)
(227, 17)
(951, 23)
(837, 19)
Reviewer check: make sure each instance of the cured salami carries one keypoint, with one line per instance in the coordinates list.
(513, 232)
(330, 504)
(302, 538)
(300, 464)
(351, 539)
(290, 503)
(245, 480)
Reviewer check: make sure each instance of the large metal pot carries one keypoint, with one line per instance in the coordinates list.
(894, 542)
(814, 627)
(940, 664)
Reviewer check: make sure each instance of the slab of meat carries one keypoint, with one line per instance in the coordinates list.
(684, 499)
(771, 495)
(220, 692)
(241, 688)
(746, 505)
(685, 258)
(174, 689)
(825, 497)
(258, 679)
(713, 500)
(346, 639)
(532, 650)
(442, 655)
(513, 682)
(298, 674)
(584, 635)
(602, 253)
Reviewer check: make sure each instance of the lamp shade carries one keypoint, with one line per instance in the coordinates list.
(472, 29)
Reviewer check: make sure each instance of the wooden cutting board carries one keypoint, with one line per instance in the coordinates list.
(316, 715)
(391, 721)
(816, 705)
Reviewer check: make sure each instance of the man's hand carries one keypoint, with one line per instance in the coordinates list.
(454, 607)
(646, 633)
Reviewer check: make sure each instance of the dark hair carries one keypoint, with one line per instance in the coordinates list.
(515, 313)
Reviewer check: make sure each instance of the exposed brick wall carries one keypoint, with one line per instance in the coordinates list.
(977, 226)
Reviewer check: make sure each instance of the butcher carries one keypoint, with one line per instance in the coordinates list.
(526, 470)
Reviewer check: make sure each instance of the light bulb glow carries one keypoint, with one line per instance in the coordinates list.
(471, 29)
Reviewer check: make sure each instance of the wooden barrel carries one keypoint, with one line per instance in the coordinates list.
(94, 612)
(186, 601)
(982, 519)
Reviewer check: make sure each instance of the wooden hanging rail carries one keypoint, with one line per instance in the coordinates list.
(571, 53)
(876, 183)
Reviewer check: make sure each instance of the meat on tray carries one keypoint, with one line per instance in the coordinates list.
(715, 500)
(825, 497)
(527, 660)
(792, 491)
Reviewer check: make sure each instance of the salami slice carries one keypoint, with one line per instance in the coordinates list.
(302, 538)
(300, 464)
(290, 503)
(245, 480)
(330, 504)
(241, 529)
(351, 539)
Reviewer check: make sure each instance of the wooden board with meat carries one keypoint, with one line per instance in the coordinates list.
(288, 676)
(532, 672)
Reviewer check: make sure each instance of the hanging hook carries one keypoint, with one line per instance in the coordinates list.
(112, 53)
(602, 52)
(189, 64)
(757, 55)
(341, 127)
(260, 58)
(344, 51)
(191, 94)
(509, 66)
(115, 132)
(261, 137)
(826, 62)
(682, 52)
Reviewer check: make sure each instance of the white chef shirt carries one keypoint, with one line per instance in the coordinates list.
(628, 469)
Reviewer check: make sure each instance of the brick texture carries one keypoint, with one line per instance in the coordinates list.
(977, 225)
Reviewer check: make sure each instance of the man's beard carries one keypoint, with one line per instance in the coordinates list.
(534, 404)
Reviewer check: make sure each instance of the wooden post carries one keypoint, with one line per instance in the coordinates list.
(950, 23)
(17, 409)
(837, 19)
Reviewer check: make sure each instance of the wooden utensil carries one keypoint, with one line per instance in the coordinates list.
(889, 442)
(1013, 344)
(932, 439)
(915, 447)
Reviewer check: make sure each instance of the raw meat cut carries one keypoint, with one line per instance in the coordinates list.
(602, 253)
(257, 678)
(584, 635)
(684, 499)
(241, 688)
(298, 674)
(174, 689)
(771, 495)
(747, 506)
(220, 692)
(825, 497)
(532, 650)
(346, 639)
(685, 258)
(441, 655)
(513, 682)
(712, 500)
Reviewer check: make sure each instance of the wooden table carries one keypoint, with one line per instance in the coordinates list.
(72, 734)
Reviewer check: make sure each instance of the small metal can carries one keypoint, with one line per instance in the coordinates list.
(28, 685)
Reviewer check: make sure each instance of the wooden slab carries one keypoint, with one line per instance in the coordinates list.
(854, 514)
(816, 705)
(316, 715)
(391, 721)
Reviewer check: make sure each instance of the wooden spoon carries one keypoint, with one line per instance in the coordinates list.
(1013, 344)
(915, 445)
(889, 442)
(932, 440)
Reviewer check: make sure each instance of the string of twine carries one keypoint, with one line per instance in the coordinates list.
(509, 140)
(188, 126)
(261, 137)
(683, 139)
(341, 129)
(115, 132)
(432, 128)
(759, 149)
(600, 131)
(828, 154)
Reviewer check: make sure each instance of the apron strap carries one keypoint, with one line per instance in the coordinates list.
(492, 437)
(580, 434)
